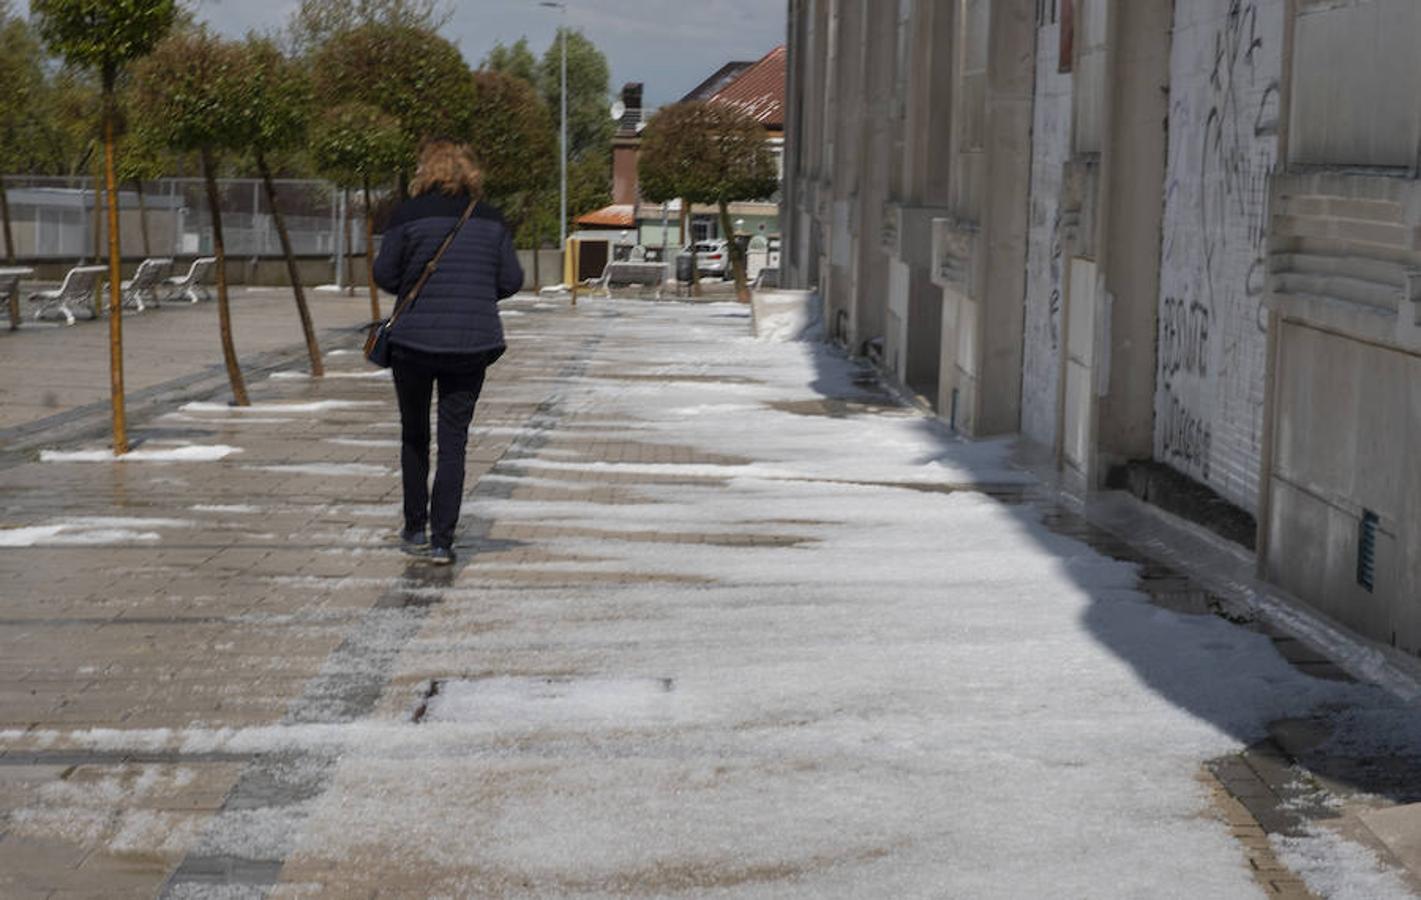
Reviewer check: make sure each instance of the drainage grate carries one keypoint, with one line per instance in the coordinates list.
(1367, 550)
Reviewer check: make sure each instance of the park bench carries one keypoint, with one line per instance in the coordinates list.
(144, 283)
(77, 289)
(191, 285)
(628, 272)
(10, 291)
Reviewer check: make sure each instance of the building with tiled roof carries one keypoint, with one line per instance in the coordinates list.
(722, 77)
(757, 88)
(759, 91)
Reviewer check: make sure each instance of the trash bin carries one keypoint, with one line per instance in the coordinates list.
(683, 268)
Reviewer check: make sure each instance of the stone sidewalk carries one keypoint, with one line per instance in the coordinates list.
(56, 375)
(194, 650)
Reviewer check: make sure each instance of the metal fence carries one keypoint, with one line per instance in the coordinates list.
(66, 218)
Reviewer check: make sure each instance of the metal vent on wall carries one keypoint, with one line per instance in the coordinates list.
(1367, 549)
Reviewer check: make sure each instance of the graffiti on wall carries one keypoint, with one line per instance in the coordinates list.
(1184, 337)
(1223, 147)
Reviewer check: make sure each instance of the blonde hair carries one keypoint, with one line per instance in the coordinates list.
(447, 167)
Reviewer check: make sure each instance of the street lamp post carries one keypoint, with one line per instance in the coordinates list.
(562, 35)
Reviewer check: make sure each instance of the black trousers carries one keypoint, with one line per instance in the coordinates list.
(460, 379)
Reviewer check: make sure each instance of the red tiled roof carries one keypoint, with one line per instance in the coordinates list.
(723, 76)
(618, 215)
(760, 89)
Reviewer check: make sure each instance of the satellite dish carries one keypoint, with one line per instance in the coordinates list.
(619, 109)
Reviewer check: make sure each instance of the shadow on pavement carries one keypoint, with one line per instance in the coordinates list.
(1348, 737)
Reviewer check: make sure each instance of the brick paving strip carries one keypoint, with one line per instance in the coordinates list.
(355, 677)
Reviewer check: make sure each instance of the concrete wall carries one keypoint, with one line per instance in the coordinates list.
(1225, 71)
(1345, 298)
(1050, 148)
(1356, 77)
(1134, 168)
(1201, 247)
(1344, 410)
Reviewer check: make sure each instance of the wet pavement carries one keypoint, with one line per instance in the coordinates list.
(666, 664)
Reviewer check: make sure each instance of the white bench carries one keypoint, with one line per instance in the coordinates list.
(192, 284)
(144, 283)
(76, 289)
(646, 274)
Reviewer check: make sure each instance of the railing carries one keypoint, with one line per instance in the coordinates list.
(65, 218)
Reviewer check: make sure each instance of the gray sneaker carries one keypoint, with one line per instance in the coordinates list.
(441, 556)
(414, 542)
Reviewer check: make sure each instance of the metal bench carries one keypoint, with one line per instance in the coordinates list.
(192, 285)
(646, 274)
(144, 283)
(76, 289)
(10, 290)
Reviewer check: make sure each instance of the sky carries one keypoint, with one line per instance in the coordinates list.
(669, 45)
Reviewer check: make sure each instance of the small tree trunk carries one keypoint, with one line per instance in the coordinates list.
(98, 231)
(224, 312)
(5, 218)
(318, 369)
(142, 216)
(687, 241)
(737, 262)
(349, 282)
(370, 255)
(537, 252)
(120, 425)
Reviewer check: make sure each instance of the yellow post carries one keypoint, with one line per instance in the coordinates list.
(570, 274)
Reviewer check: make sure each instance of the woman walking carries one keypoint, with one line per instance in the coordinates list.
(449, 335)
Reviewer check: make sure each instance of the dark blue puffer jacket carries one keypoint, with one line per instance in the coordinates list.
(457, 311)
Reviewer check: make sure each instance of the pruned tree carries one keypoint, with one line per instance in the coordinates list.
(514, 59)
(410, 74)
(21, 105)
(72, 125)
(357, 145)
(191, 94)
(278, 92)
(140, 160)
(516, 146)
(708, 153)
(106, 36)
(316, 21)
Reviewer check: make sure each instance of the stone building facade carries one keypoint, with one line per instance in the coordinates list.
(1177, 236)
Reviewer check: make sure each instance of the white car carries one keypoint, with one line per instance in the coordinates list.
(713, 257)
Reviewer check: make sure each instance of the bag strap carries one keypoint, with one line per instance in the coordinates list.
(430, 266)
